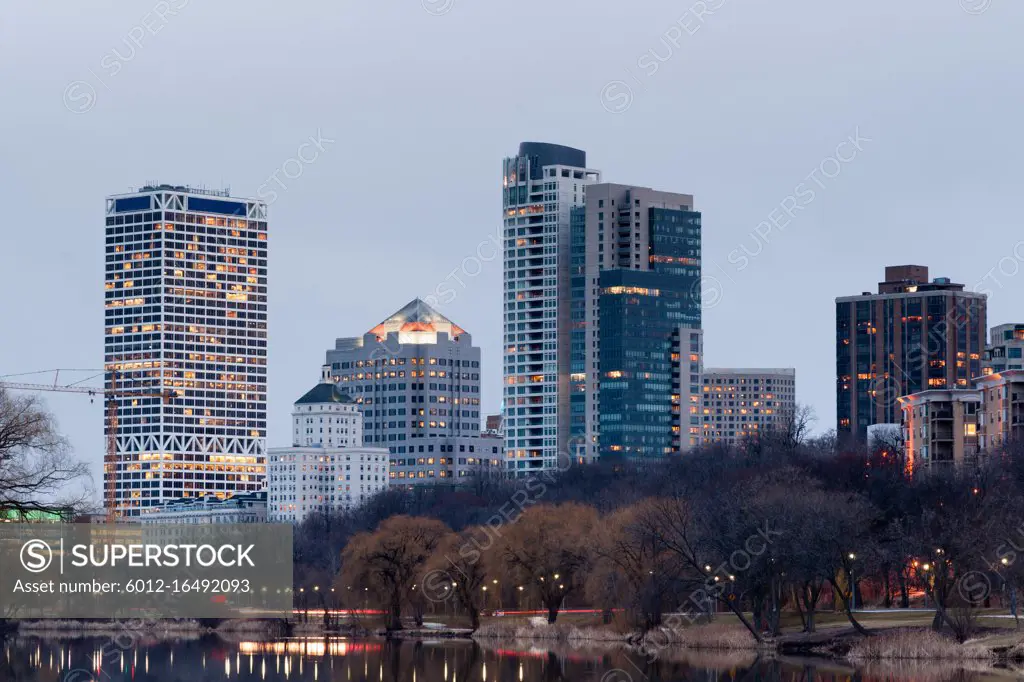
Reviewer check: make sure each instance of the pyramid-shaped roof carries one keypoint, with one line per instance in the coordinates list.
(417, 316)
(324, 393)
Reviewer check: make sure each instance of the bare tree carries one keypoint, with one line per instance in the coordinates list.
(458, 570)
(636, 567)
(549, 549)
(38, 472)
(390, 560)
(684, 529)
(833, 540)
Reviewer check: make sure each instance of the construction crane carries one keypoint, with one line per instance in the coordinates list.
(110, 396)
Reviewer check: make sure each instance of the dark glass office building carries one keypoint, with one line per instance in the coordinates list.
(636, 340)
(913, 335)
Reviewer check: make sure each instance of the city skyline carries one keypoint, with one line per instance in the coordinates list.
(930, 158)
(484, 410)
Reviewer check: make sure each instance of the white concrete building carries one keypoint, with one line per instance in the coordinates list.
(326, 468)
(243, 508)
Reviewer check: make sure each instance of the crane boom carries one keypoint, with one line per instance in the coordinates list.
(111, 395)
(49, 387)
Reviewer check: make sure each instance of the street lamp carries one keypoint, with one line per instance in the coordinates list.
(853, 584)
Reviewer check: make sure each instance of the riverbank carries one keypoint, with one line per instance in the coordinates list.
(996, 646)
(117, 628)
(991, 645)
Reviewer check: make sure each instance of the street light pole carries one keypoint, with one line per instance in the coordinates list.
(853, 584)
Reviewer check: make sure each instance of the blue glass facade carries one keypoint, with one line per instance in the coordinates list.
(641, 312)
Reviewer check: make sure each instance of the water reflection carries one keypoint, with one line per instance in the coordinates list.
(32, 659)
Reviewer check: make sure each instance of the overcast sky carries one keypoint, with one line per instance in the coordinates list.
(744, 104)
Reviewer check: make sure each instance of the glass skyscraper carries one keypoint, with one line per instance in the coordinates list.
(636, 339)
(646, 321)
(603, 346)
(186, 315)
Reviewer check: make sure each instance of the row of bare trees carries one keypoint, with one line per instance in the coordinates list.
(752, 548)
(781, 524)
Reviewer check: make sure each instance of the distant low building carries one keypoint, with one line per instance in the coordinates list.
(450, 461)
(495, 423)
(737, 403)
(21, 515)
(327, 468)
(241, 508)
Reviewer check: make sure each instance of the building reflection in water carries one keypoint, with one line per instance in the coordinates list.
(209, 659)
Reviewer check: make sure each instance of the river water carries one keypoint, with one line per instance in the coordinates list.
(209, 659)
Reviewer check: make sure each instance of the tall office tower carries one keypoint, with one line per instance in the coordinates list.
(636, 338)
(1006, 349)
(911, 336)
(186, 312)
(541, 186)
(416, 377)
(740, 403)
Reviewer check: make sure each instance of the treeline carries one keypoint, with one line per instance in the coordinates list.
(776, 525)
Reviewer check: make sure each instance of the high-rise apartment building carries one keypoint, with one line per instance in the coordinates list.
(541, 186)
(913, 335)
(1005, 350)
(186, 312)
(416, 378)
(742, 403)
(636, 343)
